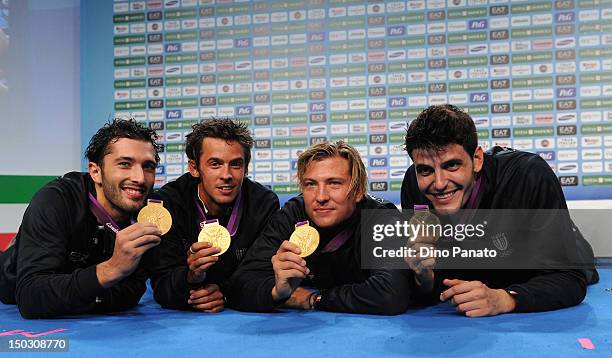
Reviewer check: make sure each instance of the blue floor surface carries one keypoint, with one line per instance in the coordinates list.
(149, 331)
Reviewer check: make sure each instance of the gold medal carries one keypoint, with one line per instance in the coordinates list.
(155, 213)
(217, 235)
(306, 238)
(427, 221)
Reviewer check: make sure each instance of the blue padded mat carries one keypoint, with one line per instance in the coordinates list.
(149, 331)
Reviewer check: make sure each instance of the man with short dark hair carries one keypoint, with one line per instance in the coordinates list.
(192, 275)
(333, 182)
(451, 172)
(78, 249)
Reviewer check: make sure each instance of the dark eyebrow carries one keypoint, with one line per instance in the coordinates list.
(129, 159)
(150, 162)
(422, 166)
(451, 162)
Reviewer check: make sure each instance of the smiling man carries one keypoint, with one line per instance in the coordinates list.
(451, 172)
(333, 182)
(190, 275)
(78, 249)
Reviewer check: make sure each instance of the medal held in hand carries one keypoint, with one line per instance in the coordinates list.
(305, 237)
(155, 213)
(423, 217)
(216, 234)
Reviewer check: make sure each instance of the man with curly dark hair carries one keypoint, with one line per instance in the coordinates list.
(78, 249)
(191, 275)
(452, 172)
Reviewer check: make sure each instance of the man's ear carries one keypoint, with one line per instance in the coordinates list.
(478, 159)
(358, 197)
(193, 168)
(95, 171)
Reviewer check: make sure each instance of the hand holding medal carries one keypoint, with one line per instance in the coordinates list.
(217, 235)
(155, 213)
(289, 265)
(423, 242)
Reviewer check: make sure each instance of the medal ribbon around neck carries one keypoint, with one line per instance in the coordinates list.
(336, 243)
(232, 225)
(102, 215)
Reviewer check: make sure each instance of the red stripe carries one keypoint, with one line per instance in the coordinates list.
(4, 240)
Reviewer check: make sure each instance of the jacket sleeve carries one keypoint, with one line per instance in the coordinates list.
(44, 287)
(125, 294)
(552, 289)
(269, 206)
(384, 292)
(167, 267)
(549, 290)
(252, 283)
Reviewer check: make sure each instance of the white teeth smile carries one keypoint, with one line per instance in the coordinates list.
(132, 191)
(226, 188)
(445, 195)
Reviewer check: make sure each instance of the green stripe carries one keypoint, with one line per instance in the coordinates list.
(19, 189)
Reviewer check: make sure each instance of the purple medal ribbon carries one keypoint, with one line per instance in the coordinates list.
(337, 241)
(102, 215)
(474, 195)
(473, 202)
(232, 225)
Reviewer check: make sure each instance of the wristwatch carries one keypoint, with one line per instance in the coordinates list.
(314, 300)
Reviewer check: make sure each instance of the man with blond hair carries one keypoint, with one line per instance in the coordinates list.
(333, 182)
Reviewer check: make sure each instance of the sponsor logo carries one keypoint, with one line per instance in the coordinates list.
(318, 107)
(568, 168)
(592, 154)
(592, 167)
(244, 110)
(378, 162)
(173, 114)
(498, 10)
(396, 31)
(156, 103)
(567, 155)
(568, 180)
(477, 24)
(566, 130)
(378, 138)
(318, 117)
(397, 102)
(567, 142)
(547, 155)
(262, 121)
(379, 114)
(379, 186)
(479, 97)
(378, 174)
(499, 34)
(591, 141)
(173, 47)
(500, 108)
